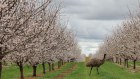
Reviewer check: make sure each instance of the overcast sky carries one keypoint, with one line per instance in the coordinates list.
(92, 20)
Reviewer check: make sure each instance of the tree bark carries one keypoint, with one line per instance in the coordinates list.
(120, 61)
(124, 62)
(53, 66)
(62, 62)
(21, 70)
(127, 63)
(0, 68)
(49, 67)
(58, 64)
(34, 71)
(116, 59)
(44, 68)
(1, 56)
(134, 64)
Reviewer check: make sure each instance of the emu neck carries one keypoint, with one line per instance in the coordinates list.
(103, 60)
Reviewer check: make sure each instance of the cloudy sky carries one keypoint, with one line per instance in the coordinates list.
(92, 20)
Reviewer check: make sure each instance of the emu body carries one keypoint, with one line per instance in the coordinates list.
(95, 63)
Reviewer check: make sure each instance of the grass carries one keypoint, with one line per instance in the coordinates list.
(57, 72)
(12, 72)
(131, 63)
(107, 71)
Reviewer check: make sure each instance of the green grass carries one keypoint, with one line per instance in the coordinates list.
(131, 63)
(107, 71)
(57, 72)
(12, 72)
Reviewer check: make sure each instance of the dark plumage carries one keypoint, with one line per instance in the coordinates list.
(95, 63)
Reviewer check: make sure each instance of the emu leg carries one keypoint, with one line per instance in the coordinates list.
(90, 71)
(97, 70)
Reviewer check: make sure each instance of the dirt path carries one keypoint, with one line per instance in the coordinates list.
(31, 77)
(65, 73)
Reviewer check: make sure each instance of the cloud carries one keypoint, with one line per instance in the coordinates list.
(91, 34)
(95, 29)
(92, 20)
(89, 46)
(101, 9)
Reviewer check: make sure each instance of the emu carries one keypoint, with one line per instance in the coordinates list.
(95, 63)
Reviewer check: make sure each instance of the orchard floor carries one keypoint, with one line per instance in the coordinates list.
(75, 71)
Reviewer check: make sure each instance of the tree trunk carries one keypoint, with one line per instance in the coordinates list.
(116, 59)
(21, 70)
(124, 62)
(58, 64)
(0, 68)
(134, 64)
(52, 66)
(44, 68)
(34, 71)
(120, 61)
(62, 62)
(49, 67)
(1, 56)
(127, 63)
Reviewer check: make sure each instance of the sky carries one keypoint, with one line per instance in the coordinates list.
(93, 20)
